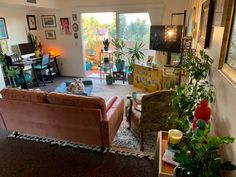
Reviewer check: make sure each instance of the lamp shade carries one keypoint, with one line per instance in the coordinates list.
(170, 33)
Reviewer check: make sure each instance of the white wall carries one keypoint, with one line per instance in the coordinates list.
(72, 50)
(53, 4)
(224, 108)
(17, 28)
(16, 23)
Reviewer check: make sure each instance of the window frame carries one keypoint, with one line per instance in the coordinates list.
(226, 69)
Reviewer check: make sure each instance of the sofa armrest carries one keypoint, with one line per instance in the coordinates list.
(110, 102)
(113, 119)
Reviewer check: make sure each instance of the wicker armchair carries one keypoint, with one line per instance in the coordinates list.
(152, 115)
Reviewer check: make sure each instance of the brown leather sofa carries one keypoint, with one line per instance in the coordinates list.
(87, 120)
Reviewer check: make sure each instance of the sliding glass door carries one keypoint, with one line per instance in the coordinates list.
(135, 27)
(131, 27)
(95, 28)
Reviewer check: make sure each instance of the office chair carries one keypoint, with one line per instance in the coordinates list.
(44, 65)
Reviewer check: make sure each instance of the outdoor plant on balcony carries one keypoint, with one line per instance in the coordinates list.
(119, 45)
(106, 44)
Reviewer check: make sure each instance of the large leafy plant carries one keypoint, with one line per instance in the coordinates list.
(189, 94)
(9, 72)
(198, 155)
(135, 54)
(33, 40)
(119, 45)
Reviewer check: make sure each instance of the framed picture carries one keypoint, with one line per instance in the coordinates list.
(49, 21)
(206, 24)
(65, 26)
(3, 29)
(219, 13)
(75, 27)
(50, 34)
(3, 46)
(227, 62)
(150, 60)
(31, 20)
(74, 17)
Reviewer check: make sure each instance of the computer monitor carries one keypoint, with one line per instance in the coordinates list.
(26, 49)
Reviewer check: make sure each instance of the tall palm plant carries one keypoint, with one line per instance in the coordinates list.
(135, 54)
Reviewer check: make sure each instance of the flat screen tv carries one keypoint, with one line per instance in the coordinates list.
(158, 42)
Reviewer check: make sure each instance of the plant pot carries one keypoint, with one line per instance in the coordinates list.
(88, 66)
(106, 48)
(91, 52)
(181, 172)
(130, 78)
(37, 53)
(106, 60)
(109, 80)
(120, 65)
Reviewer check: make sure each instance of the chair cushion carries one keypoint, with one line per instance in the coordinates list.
(40, 67)
(92, 102)
(24, 95)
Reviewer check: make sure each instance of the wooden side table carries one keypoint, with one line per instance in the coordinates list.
(119, 75)
(161, 168)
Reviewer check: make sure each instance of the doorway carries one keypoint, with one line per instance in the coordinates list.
(95, 28)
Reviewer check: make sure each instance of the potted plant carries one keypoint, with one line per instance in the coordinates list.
(88, 65)
(9, 72)
(188, 95)
(91, 46)
(34, 41)
(134, 54)
(109, 79)
(198, 154)
(119, 45)
(106, 44)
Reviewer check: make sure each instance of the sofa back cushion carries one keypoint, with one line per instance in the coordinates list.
(24, 95)
(80, 101)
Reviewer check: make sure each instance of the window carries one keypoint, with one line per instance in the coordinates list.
(228, 52)
(134, 27)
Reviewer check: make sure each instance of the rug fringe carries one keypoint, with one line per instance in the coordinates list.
(53, 141)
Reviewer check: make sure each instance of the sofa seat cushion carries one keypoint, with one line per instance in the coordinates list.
(37, 96)
(92, 102)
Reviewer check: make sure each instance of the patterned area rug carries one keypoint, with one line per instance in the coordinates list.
(126, 139)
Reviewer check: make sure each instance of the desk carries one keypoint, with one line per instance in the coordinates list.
(53, 59)
(32, 62)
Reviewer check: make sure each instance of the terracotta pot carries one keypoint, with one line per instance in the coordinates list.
(130, 78)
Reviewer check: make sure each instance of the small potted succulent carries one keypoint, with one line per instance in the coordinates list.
(106, 44)
(109, 79)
